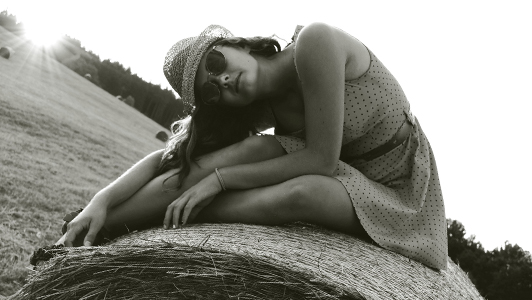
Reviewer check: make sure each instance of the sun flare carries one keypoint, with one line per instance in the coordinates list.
(44, 36)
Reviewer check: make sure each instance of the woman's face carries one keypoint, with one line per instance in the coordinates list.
(238, 82)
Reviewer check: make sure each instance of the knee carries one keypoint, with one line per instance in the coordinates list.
(261, 147)
(299, 195)
(168, 180)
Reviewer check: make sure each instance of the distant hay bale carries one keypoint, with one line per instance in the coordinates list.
(119, 97)
(5, 52)
(130, 101)
(161, 135)
(88, 76)
(236, 261)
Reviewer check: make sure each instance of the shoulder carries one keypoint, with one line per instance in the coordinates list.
(324, 33)
(317, 43)
(316, 28)
(317, 34)
(320, 39)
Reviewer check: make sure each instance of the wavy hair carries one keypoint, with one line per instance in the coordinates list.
(213, 127)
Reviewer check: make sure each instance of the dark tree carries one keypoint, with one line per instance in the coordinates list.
(154, 102)
(504, 273)
(9, 22)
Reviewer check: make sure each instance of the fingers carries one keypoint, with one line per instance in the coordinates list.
(187, 211)
(175, 216)
(178, 212)
(168, 215)
(72, 232)
(91, 235)
(171, 217)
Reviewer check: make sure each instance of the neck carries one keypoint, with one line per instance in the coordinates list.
(277, 74)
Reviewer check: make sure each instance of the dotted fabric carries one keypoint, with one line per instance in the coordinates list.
(396, 196)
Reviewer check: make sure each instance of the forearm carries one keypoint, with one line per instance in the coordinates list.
(130, 182)
(277, 170)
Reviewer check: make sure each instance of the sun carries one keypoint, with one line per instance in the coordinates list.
(42, 35)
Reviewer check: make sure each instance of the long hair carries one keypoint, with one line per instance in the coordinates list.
(213, 127)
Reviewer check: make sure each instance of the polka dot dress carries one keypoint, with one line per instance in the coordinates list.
(396, 196)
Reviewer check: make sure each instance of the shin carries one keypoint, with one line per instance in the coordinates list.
(147, 206)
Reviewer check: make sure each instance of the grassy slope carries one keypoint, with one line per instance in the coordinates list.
(61, 140)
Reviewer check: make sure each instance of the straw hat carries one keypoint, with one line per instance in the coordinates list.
(182, 61)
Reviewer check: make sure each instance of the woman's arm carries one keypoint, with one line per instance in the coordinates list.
(322, 53)
(93, 216)
(129, 182)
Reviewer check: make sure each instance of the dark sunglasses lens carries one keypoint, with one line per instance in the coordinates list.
(210, 94)
(215, 62)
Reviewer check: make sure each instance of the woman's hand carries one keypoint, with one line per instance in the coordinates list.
(191, 202)
(92, 218)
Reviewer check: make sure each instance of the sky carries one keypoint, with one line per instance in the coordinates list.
(465, 67)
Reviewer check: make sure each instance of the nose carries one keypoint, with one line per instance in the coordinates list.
(221, 80)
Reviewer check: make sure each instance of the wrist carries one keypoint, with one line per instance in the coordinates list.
(221, 181)
(101, 198)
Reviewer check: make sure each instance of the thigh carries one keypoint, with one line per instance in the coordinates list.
(324, 201)
(314, 199)
(148, 205)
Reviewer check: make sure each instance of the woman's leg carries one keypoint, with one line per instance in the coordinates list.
(314, 199)
(148, 205)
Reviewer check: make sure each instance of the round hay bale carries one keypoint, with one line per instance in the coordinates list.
(161, 135)
(5, 52)
(130, 101)
(222, 261)
(88, 76)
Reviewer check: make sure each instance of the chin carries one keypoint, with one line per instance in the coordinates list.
(243, 102)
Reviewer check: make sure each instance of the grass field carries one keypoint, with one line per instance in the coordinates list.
(61, 140)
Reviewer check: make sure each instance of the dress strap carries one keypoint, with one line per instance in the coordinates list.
(296, 33)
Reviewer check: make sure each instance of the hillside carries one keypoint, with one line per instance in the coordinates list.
(63, 139)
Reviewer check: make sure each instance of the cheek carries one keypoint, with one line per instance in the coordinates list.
(242, 99)
(251, 81)
(230, 99)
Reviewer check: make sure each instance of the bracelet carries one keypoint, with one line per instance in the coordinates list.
(220, 179)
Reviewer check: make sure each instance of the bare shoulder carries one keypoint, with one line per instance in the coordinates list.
(321, 37)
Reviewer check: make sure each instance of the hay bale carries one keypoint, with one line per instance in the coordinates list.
(222, 261)
(5, 52)
(130, 101)
(161, 135)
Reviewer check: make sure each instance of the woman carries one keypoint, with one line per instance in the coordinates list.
(347, 154)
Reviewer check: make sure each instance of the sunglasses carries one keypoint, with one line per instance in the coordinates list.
(215, 65)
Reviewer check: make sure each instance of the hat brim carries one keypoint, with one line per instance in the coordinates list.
(210, 35)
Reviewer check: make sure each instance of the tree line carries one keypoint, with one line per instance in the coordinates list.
(156, 103)
(504, 273)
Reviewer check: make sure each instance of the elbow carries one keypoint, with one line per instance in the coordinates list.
(327, 166)
(330, 168)
(323, 163)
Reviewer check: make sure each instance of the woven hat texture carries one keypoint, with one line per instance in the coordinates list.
(182, 61)
(237, 261)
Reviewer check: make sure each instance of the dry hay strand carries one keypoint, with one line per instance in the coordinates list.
(237, 261)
